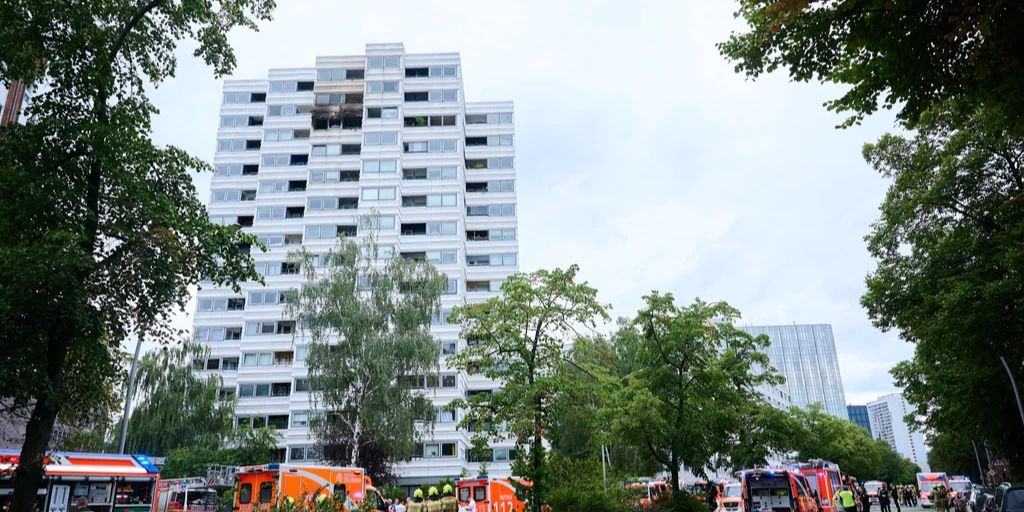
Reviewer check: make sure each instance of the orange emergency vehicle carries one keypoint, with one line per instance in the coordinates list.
(110, 483)
(643, 495)
(489, 494)
(824, 479)
(258, 488)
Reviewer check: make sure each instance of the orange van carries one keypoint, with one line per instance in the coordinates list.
(489, 494)
(258, 488)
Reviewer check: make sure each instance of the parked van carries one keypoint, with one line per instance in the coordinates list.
(776, 490)
(489, 494)
(643, 495)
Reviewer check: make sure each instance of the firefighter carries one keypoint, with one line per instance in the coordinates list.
(433, 503)
(417, 501)
(448, 502)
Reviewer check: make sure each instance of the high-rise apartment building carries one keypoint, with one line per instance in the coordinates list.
(859, 415)
(302, 156)
(806, 356)
(887, 423)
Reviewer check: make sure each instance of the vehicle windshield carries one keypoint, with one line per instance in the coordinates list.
(960, 486)
(1015, 500)
(872, 486)
(732, 491)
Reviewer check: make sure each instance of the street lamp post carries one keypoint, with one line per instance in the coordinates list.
(981, 474)
(128, 394)
(1013, 383)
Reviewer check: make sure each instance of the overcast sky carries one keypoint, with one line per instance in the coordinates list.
(641, 155)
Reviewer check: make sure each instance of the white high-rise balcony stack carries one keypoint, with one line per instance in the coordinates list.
(306, 152)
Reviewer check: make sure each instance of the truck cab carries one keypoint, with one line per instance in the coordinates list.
(776, 490)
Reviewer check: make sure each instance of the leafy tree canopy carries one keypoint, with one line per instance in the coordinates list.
(949, 252)
(696, 377)
(519, 339)
(903, 54)
(367, 317)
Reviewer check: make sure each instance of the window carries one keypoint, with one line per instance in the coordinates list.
(449, 348)
(279, 389)
(489, 163)
(335, 149)
(491, 140)
(289, 86)
(380, 222)
(380, 138)
(237, 145)
(378, 194)
(382, 87)
(433, 146)
(380, 166)
(498, 118)
(288, 110)
(339, 74)
(301, 385)
(230, 196)
(386, 62)
(333, 176)
(266, 492)
(229, 364)
(245, 494)
(232, 98)
(300, 418)
(496, 186)
(452, 288)
(440, 318)
(422, 121)
(447, 381)
(444, 415)
(416, 97)
(382, 113)
(494, 210)
(433, 72)
(222, 304)
(278, 421)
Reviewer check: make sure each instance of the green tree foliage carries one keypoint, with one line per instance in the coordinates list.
(242, 447)
(597, 364)
(519, 340)
(949, 252)
(895, 468)
(177, 408)
(954, 454)
(904, 54)
(368, 319)
(695, 379)
(577, 484)
(823, 436)
(102, 229)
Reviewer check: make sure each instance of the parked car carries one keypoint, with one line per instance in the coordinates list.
(1009, 498)
(979, 494)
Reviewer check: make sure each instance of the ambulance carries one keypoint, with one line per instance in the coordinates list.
(259, 488)
(643, 495)
(926, 483)
(110, 483)
(489, 494)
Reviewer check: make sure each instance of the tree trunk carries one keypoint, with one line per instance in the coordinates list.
(674, 470)
(536, 460)
(357, 433)
(28, 478)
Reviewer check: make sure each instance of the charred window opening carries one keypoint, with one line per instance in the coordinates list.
(338, 111)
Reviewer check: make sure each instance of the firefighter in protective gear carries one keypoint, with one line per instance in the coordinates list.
(448, 503)
(433, 503)
(417, 501)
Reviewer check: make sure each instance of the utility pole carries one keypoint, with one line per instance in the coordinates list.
(128, 392)
(981, 473)
(1013, 384)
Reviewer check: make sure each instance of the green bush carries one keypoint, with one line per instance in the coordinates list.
(577, 485)
(681, 502)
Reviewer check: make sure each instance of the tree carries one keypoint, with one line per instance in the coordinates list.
(243, 446)
(177, 408)
(368, 319)
(823, 436)
(954, 454)
(768, 432)
(518, 339)
(948, 276)
(895, 468)
(696, 376)
(596, 364)
(905, 54)
(102, 229)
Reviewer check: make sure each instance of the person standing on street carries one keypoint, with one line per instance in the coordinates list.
(433, 503)
(865, 500)
(417, 501)
(883, 498)
(844, 501)
(940, 496)
(896, 497)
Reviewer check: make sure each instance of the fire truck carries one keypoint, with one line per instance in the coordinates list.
(776, 490)
(260, 487)
(489, 494)
(824, 479)
(109, 483)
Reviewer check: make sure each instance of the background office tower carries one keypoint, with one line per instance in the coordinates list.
(303, 155)
(887, 423)
(859, 415)
(806, 356)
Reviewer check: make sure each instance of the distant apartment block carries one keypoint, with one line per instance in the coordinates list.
(887, 415)
(806, 356)
(302, 155)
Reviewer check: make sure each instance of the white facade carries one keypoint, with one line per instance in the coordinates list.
(887, 423)
(303, 155)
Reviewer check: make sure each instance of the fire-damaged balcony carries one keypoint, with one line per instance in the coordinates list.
(338, 111)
